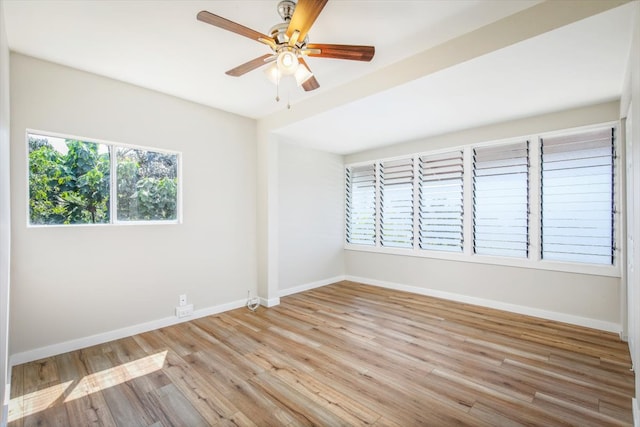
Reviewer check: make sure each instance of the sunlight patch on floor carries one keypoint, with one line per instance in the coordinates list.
(31, 403)
(117, 375)
(37, 401)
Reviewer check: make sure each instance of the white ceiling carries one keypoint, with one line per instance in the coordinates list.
(160, 45)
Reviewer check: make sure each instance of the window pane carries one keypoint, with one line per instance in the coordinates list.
(501, 200)
(396, 203)
(441, 202)
(577, 197)
(147, 185)
(68, 181)
(361, 205)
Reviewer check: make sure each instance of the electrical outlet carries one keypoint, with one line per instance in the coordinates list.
(182, 300)
(184, 311)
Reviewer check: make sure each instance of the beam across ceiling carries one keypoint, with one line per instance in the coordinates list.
(521, 26)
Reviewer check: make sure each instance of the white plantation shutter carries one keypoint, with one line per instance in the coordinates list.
(361, 205)
(441, 201)
(475, 201)
(501, 200)
(577, 197)
(396, 203)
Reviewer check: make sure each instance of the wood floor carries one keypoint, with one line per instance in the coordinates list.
(344, 354)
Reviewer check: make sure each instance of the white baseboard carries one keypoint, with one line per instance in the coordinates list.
(76, 344)
(271, 302)
(312, 285)
(636, 412)
(520, 309)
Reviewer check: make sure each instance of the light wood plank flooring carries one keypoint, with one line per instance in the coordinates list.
(344, 354)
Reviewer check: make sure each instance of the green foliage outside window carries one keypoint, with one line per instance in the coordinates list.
(147, 185)
(68, 188)
(69, 183)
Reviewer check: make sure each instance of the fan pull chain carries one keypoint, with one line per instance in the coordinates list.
(278, 94)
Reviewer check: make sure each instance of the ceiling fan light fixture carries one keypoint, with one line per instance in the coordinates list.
(289, 43)
(287, 62)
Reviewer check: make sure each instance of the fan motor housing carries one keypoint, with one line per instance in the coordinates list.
(279, 34)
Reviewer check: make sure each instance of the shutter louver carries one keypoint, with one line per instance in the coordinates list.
(501, 200)
(361, 205)
(577, 197)
(441, 202)
(396, 203)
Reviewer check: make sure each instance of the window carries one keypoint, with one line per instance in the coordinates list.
(361, 205)
(396, 203)
(501, 200)
(68, 181)
(577, 197)
(441, 201)
(147, 185)
(75, 182)
(475, 203)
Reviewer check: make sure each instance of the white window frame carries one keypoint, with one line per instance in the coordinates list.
(381, 228)
(417, 196)
(534, 260)
(349, 180)
(618, 145)
(112, 146)
(477, 177)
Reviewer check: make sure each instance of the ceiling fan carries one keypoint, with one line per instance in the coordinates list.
(289, 43)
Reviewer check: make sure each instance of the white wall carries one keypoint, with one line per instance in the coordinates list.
(5, 214)
(267, 216)
(631, 96)
(74, 282)
(578, 298)
(575, 298)
(310, 218)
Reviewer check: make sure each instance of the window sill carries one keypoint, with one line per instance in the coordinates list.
(107, 224)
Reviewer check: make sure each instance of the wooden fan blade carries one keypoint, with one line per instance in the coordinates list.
(311, 83)
(343, 51)
(304, 16)
(249, 66)
(225, 24)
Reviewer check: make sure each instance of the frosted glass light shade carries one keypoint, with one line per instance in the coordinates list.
(273, 73)
(287, 62)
